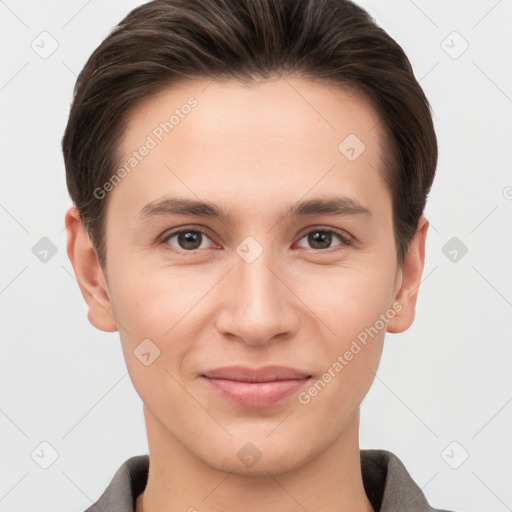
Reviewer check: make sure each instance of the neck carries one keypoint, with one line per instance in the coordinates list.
(178, 480)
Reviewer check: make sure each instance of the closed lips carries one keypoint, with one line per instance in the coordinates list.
(265, 374)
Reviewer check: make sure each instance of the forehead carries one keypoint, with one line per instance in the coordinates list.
(277, 137)
(291, 107)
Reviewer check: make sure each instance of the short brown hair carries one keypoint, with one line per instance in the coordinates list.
(163, 42)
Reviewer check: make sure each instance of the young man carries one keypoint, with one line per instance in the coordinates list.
(249, 179)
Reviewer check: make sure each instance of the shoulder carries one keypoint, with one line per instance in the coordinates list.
(388, 484)
(127, 483)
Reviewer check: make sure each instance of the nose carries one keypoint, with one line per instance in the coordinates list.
(257, 304)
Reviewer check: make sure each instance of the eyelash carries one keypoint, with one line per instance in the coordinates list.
(345, 240)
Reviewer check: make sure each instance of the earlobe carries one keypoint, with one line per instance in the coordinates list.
(89, 273)
(410, 274)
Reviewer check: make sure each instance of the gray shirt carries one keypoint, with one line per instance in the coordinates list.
(387, 484)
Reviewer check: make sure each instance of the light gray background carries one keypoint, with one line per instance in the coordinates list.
(446, 379)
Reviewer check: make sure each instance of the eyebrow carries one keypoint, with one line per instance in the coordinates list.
(320, 206)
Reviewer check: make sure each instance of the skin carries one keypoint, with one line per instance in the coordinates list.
(254, 151)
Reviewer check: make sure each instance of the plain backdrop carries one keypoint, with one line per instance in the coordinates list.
(442, 399)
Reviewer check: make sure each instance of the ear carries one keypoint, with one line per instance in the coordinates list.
(89, 273)
(409, 279)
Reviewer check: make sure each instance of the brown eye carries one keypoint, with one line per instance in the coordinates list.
(321, 239)
(188, 239)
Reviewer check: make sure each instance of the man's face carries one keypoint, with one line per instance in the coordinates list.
(259, 287)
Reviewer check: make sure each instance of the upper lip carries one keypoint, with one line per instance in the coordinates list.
(264, 374)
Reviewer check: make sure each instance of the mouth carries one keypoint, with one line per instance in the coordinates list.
(255, 388)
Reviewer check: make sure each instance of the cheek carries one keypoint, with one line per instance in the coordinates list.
(165, 315)
(356, 307)
(348, 300)
(157, 334)
(144, 310)
(156, 301)
(352, 309)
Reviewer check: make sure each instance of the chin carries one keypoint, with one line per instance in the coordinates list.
(259, 453)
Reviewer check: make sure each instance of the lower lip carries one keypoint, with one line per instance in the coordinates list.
(256, 394)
